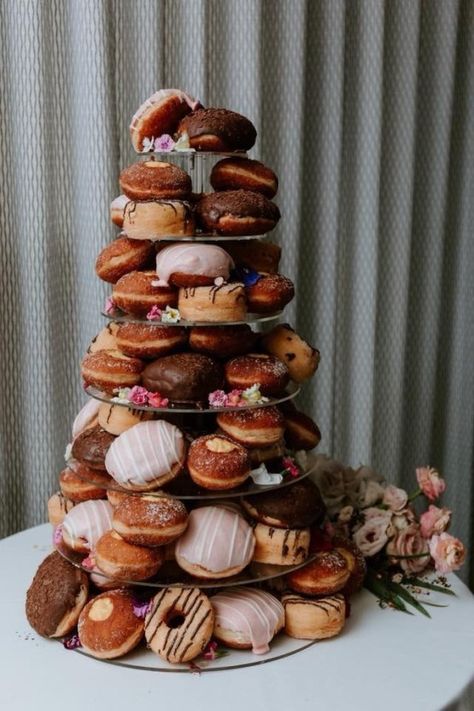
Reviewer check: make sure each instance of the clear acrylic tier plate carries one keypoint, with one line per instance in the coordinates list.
(121, 317)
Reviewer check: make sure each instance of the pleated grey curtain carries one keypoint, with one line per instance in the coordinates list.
(366, 111)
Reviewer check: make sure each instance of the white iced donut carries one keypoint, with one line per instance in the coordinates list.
(85, 524)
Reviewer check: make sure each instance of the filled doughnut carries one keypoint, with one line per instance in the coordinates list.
(192, 265)
(300, 358)
(155, 180)
(121, 560)
(256, 427)
(236, 212)
(79, 483)
(297, 506)
(121, 256)
(222, 302)
(301, 432)
(58, 507)
(86, 418)
(116, 419)
(108, 627)
(272, 292)
(160, 114)
(216, 462)
(56, 596)
(117, 207)
(85, 524)
(184, 377)
(247, 618)
(136, 293)
(326, 574)
(150, 520)
(91, 446)
(355, 561)
(318, 618)
(259, 255)
(149, 341)
(218, 130)
(152, 219)
(259, 455)
(105, 340)
(222, 341)
(280, 546)
(179, 624)
(269, 372)
(217, 543)
(244, 174)
(109, 370)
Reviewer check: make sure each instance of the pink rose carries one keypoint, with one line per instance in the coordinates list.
(138, 395)
(430, 482)
(155, 400)
(396, 499)
(371, 537)
(409, 542)
(434, 520)
(447, 552)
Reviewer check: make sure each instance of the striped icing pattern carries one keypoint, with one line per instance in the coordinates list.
(254, 614)
(145, 452)
(85, 417)
(88, 521)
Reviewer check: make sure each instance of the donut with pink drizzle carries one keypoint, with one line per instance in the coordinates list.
(217, 543)
(86, 417)
(247, 618)
(160, 114)
(86, 523)
(146, 456)
(189, 265)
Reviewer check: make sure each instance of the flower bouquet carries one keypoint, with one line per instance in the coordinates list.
(400, 538)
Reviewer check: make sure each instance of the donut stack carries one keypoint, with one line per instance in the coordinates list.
(186, 474)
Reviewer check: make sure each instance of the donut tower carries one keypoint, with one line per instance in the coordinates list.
(187, 531)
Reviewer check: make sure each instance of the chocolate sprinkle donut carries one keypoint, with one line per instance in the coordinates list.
(228, 130)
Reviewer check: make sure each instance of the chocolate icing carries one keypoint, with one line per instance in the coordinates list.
(53, 593)
(234, 130)
(184, 377)
(296, 506)
(241, 203)
(91, 446)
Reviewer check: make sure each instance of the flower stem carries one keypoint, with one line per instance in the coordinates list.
(413, 496)
(415, 555)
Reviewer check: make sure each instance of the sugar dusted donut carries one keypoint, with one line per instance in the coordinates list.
(256, 427)
(109, 370)
(117, 207)
(222, 302)
(301, 432)
(244, 174)
(86, 417)
(217, 130)
(108, 627)
(179, 624)
(222, 341)
(269, 372)
(79, 483)
(280, 546)
(155, 180)
(247, 618)
(160, 114)
(326, 574)
(136, 293)
(184, 377)
(121, 256)
(85, 524)
(259, 255)
(150, 520)
(105, 340)
(116, 419)
(317, 618)
(192, 265)
(272, 292)
(121, 560)
(91, 446)
(116, 495)
(148, 341)
(153, 219)
(217, 543)
(297, 506)
(146, 456)
(236, 212)
(300, 358)
(216, 462)
(58, 507)
(56, 596)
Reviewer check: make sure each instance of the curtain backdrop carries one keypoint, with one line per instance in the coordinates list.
(365, 109)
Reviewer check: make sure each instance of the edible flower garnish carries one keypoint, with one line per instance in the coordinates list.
(249, 277)
(72, 642)
(148, 145)
(212, 651)
(237, 398)
(154, 313)
(262, 477)
(58, 535)
(291, 467)
(170, 315)
(140, 396)
(164, 143)
(110, 305)
(141, 608)
(89, 562)
(182, 144)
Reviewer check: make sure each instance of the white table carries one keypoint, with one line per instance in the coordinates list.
(383, 660)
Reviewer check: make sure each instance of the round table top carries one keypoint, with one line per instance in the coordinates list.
(383, 659)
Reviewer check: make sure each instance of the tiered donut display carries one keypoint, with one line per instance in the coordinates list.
(186, 524)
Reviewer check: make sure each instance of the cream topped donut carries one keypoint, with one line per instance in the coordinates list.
(146, 456)
(192, 260)
(86, 523)
(160, 114)
(247, 618)
(86, 417)
(217, 543)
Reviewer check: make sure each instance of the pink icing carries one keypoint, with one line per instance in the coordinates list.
(254, 614)
(119, 202)
(199, 259)
(85, 417)
(88, 520)
(216, 539)
(159, 96)
(145, 452)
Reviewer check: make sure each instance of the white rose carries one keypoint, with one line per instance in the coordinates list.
(396, 499)
(371, 537)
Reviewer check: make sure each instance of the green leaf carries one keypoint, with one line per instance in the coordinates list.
(430, 586)
(409, 598)
(378, 587)
(433, 604)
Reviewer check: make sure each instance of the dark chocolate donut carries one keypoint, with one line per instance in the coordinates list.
(218, 130)
(91, 446)
(184, 377)
(296, 506)
(237, 212)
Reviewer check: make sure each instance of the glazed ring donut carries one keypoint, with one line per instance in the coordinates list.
(79, 483)
(272, 292)
(216, 462)
(222, 341)
(58, 507)
(160, 114)
(155, 180)
(247, 370)
(108, 370)
(237, 212)
(117, 208)
(179, 624)
(259, 255)
(135, 293)
(280, 546)
(105, 340)
(297, 506)
(149, 341)
(301, 432)
(222, 303)
(150, 520)
(244, 174)
(91, 446)
(218, 130)
(255, 427)
(321, 618)
(121, 560)
(301, 359)
(116, 419)
(108, 627)
(326, 574)
(121, 256)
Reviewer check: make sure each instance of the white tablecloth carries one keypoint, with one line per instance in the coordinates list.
(384, 661)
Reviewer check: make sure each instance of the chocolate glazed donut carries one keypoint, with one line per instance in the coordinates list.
(218, 130)
(237, 212)
(184, 377)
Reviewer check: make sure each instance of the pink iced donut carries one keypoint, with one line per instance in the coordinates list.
(189, 264)
(85, 523)
(146, 456)
(217, 543)
(86, 417)
(247, 618)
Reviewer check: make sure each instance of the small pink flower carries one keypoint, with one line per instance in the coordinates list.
(58, 535)
(154, 314)
(409, 542)
(430, 482)
(371, 537)
(396, 499)
(447, 552)
(210, 651)
(138, 395)
(155, 400)
(434, 520)
(110, 305)
(290, 467)
(72, 642)
(234, 399)
(89, 562)
(218, 398)
(164, 143)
